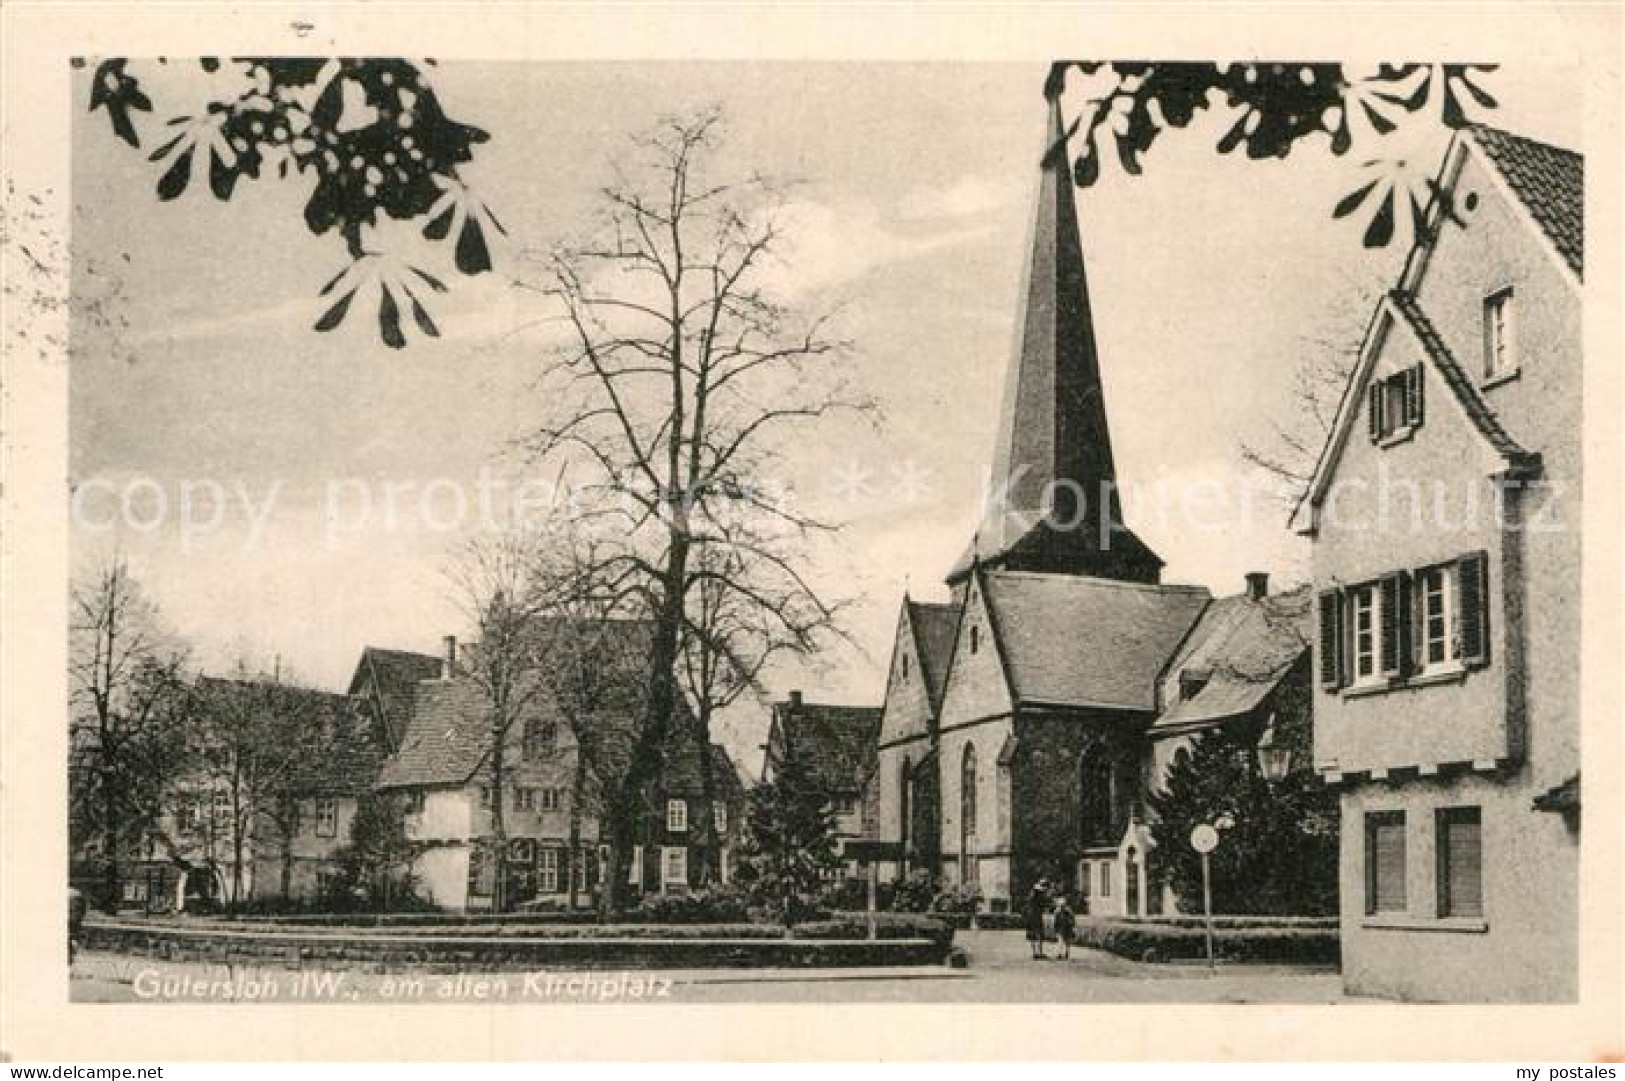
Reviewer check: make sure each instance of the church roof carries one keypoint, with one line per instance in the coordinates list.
(934, 628)
(1053, 436)
(1076, 642)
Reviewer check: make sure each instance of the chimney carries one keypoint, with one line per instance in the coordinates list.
(795, 699)
(448, 656)
(1258, 585)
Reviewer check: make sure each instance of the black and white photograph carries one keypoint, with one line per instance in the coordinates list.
(1054, 530)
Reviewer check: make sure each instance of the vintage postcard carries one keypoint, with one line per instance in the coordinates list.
(934, 517)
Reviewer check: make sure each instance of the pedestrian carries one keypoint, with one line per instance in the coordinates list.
(1065, 925)
(1037, 905)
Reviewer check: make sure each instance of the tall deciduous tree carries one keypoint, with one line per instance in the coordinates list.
(681, 377)
(129, 708)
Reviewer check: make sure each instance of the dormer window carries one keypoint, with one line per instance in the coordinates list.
(1395, 405)
(1500, 354)
(1191, 684)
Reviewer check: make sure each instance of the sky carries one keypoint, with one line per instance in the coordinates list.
(1210, 279)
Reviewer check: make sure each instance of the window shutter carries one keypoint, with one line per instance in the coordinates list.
(1473, 610)
(1413, 395)
(1406, 624)
(1374, 409)
(1385, 862)
(1461, 882)
(1331, 640)
(1391, 623)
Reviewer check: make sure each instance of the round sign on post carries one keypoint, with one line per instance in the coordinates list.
(1204, 838)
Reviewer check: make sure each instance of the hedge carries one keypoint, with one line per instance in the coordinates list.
(888, 925)
(1142, 940)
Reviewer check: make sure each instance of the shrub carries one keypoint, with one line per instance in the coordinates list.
(1146, 941)
(719, 904)
(960, 899)
(914, 893)
(887, 925)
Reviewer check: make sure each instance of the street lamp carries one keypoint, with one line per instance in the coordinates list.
(1274, 759)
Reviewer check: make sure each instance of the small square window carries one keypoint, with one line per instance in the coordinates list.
(845, 804)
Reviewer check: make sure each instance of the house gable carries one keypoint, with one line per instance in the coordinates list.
(1501, 196)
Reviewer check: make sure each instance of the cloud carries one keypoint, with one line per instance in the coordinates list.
(967, 197)
(830, 246)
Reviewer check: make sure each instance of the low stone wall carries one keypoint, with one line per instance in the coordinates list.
(404, 951)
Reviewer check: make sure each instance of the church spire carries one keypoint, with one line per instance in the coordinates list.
(1054, 445)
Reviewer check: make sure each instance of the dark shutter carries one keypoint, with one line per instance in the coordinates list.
(1385, 862)
(1331, 640)
(1374, 409)
(1461, 876)
(1473, 610)
(1405, 624)
(1389, 646)
(1413, 395)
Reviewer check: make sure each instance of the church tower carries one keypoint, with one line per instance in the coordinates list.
(1054, 447)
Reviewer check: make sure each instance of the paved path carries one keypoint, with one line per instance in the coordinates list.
(1000, 970)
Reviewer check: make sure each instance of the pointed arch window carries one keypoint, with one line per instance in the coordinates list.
(1097, 797)
(967, 792)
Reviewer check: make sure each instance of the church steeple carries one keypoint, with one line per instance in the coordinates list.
(1054, 445)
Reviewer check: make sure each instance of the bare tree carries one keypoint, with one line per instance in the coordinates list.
(128, 702)
(682, 376)
(1289, 449)
(494, 576)
(736, 622)
(259, 739)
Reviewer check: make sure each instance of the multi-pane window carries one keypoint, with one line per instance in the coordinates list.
(1434, 588)
(1394, 404)
(845, 804)
(327, 818)
(1460, 874)
(1385, 862)
(547, 799)
(674, 866)
(524, 799)
(677, 815)
(1500, 357)
(719, 816)
(540, 739)
(547, 870)
(1431, 621)
(522, 850)
(1363, 605)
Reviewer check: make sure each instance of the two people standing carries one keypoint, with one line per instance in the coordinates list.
(1042, 902)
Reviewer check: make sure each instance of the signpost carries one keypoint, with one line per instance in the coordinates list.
(870, 854)
(1204, 838)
